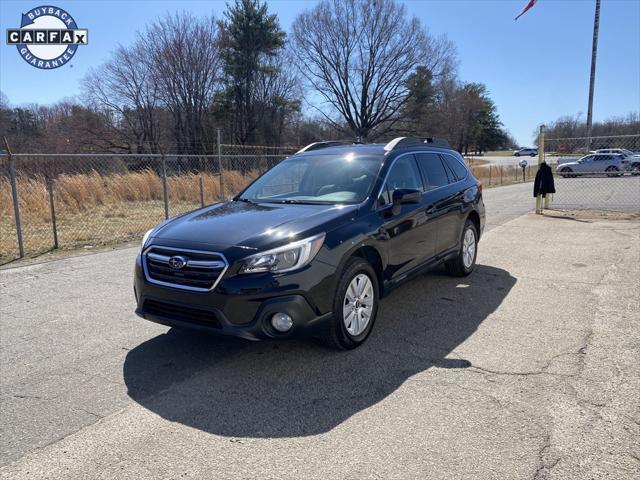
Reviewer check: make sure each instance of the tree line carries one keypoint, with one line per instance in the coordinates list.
(576, 126)
(348, 69)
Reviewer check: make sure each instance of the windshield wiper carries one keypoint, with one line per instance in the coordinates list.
(304, 202)
(246, 200)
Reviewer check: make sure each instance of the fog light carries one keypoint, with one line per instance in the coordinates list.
(282, 322)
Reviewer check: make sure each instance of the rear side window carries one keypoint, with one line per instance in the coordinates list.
(433, 170)
(454, 164)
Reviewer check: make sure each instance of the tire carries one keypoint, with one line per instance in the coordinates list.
(463, 264)
(566, 172)
(635, 169)
(612, 171)
(516, 154)
(346, 335)
(532, 155)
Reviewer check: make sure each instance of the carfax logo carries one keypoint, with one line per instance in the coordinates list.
(48, 37)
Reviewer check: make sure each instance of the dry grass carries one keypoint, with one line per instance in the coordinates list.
(97, 210)
(494, 176)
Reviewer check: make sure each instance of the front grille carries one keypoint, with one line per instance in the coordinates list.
(186, 269)
(196, 316)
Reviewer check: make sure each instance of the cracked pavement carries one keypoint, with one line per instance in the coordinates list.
(527, 369)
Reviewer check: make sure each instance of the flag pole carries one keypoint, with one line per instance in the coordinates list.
(594, 51)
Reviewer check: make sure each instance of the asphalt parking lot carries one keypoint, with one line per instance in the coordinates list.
(526, 369)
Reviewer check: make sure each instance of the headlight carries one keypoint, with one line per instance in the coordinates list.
(284, 259)
(146, 237)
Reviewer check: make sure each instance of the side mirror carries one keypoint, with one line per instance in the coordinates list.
(405, 195)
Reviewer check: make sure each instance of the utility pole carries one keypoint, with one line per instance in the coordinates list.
(594, 51)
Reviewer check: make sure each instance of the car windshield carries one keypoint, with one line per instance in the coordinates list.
(322, 179)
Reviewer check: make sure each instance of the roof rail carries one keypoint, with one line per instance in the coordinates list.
(319, 145)
(406, 142)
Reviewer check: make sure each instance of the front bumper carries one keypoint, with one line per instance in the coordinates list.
(242, 305)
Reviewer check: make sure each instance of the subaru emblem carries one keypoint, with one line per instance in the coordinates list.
(177, 262)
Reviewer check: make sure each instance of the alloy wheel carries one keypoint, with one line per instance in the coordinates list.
(468, 248)
(357, 307)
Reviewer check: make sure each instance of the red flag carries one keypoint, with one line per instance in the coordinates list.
(527, 7)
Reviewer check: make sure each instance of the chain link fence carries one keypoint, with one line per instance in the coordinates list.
(500, 175)
(600, 174)
(86, 200)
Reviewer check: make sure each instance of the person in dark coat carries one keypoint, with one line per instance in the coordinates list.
(543, 183)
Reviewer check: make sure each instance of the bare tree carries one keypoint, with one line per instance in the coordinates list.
(124, 88)
(358, 54)
(277, 98)
(186, 67)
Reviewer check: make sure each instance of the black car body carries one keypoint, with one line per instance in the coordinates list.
(402, 209)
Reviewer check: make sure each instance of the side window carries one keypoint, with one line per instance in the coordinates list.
(433, 170)
(404, 174)
(447, 167)
(456, 165)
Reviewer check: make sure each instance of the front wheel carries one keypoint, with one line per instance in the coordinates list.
(464, 263)
(566, 172)
(355, 306)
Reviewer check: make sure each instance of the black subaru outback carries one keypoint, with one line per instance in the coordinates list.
(312, 245)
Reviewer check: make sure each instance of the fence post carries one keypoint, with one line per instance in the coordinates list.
(165, 192)
(489, 175)
(540, 160)
(500, 174)
(220, 164)
(14, 196)
(52, 206)
(201, 191)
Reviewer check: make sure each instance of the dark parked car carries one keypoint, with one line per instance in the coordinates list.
(312, 245)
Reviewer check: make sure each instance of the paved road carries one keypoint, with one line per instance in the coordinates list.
(621, 194)
(462, 379)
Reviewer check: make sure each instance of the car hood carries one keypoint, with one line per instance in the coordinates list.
(251, 226)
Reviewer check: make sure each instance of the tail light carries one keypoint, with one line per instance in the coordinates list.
(479, 185)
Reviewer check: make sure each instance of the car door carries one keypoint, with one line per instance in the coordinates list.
(600, 163)
(409, 235)
(585, 165)
(442, 198)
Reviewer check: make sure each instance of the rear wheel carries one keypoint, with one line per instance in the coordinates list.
(612, 171)
(355, 306)
(635, 168)
(464, 263)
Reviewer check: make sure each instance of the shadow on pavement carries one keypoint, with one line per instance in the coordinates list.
(236, 388)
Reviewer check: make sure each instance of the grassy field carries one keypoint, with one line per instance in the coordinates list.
(495, 176)
(499, 153)
(94, 210)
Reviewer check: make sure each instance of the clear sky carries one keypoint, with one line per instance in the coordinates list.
(536, 69)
